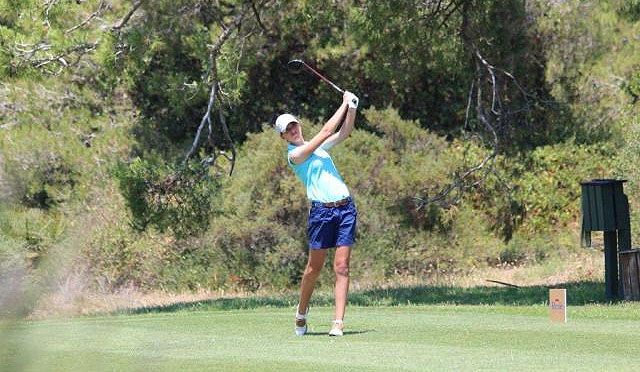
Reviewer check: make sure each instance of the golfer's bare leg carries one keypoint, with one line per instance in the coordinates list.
(341, 268)
(311, 272)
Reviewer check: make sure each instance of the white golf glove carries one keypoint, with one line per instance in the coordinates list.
(352, 100)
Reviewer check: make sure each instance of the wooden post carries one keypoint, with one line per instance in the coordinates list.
(630, 274)
(611, 265)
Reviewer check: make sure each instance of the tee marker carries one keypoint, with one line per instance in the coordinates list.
(558, 305)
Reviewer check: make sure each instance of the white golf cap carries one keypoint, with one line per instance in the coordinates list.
(283, 120)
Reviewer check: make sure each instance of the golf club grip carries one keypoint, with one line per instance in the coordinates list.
(327, 81)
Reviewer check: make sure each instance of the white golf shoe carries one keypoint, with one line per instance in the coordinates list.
(301, 322)
(337, 328)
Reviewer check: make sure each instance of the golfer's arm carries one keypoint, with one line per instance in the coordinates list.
(344, 132)
(301, 153)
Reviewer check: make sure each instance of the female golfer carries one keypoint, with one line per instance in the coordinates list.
(332, 217)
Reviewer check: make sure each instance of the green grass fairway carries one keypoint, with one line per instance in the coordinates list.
(379, 338)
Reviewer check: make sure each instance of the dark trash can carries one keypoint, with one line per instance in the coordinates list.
(605, 207)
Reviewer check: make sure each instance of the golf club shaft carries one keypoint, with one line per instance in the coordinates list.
(327, 81)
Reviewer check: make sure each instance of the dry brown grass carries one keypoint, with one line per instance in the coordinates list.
(91, 303)
(586, 265)
(73, 299)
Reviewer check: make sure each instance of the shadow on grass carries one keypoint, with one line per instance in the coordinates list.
(578, 293)
(346, 333)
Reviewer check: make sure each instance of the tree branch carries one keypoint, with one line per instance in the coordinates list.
(214, 51)
(101, 8)
(47, 8)
(205, 119)
(215, 48)
(59, 58)
(127, 16)
(225, 129)
(256, 13)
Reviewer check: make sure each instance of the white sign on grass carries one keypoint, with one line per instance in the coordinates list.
(558, 305)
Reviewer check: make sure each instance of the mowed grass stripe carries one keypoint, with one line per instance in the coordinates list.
(405, 338)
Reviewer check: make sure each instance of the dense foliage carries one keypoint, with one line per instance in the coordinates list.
(510, 104)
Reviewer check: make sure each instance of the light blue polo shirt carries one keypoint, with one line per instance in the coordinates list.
(320, 176)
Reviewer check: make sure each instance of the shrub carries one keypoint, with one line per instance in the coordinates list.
(627, 168)
(174, 198)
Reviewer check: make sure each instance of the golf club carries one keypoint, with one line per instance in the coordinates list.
(296, 65)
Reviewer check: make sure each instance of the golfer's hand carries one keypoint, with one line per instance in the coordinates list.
(352, 99)
(345, 97)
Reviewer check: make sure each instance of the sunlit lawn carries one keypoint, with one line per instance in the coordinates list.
(224, 336)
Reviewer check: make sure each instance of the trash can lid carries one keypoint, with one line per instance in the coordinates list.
(601, 182)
